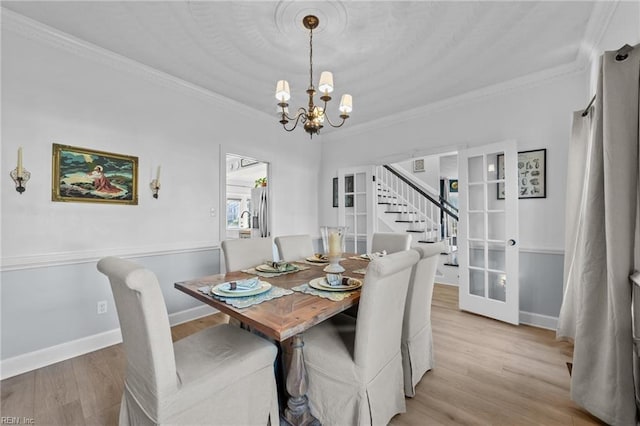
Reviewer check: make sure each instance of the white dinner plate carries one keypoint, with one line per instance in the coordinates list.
(271, 270)
(217, 291)
(226, 287)
(315, 259)
(322, 284)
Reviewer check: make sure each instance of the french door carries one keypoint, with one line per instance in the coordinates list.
(488, 231)
(356, 207)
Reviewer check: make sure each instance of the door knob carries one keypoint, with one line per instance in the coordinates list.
(512, 242)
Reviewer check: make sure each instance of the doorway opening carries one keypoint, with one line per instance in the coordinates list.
(246, 204)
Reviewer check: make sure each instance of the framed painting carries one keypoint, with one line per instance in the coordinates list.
(418, 165)
(532, 174)
(87, 175)
(335, 192)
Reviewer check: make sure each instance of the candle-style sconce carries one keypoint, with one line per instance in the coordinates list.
(20, 175)
(20, 178)
(155, 184)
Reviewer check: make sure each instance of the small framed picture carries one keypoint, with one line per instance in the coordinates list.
(418, 165)
(532, 174)
(87, 175)
(335, 192)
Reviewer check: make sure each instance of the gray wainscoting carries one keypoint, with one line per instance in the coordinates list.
(47, 306)
(541, 276)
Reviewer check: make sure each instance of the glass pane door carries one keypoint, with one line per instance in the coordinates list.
(355, 197)
(488, 232)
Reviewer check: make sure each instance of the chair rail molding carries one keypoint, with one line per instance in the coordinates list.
(90, 256)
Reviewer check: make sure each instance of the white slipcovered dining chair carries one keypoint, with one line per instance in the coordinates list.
(245, 253)
(417, 340)
(391, 242)
(220, 375)
(294, 247)
(354, 366)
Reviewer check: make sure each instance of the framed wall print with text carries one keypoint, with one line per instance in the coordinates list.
(532, 174)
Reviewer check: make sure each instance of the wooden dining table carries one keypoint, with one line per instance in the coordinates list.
(285, 319)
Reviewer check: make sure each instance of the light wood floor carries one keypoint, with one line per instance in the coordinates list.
(486, 372)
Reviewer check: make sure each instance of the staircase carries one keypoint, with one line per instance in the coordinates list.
(404, 206)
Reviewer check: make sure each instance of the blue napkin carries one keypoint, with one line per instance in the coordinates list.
(241, 285)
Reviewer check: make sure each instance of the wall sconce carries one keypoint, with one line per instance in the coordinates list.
(155, 184)
(20, 175)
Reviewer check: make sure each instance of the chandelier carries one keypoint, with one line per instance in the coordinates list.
(312, 117)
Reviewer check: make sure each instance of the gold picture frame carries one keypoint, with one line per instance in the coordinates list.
(90, 176)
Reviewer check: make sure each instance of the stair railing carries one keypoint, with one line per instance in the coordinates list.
(416, 205)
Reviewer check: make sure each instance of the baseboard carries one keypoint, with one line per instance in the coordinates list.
(41, 358)
(538, 320)
(191, 314)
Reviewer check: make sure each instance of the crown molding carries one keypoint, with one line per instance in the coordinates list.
(587, 52)
(596, 27)
(528, 81)
(39, 32)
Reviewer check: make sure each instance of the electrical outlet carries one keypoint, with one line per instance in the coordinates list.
(102, 307)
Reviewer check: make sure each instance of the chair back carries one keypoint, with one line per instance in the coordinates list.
(294, 247)
(146, 333)
(391, 242)
(417, 311)
(245, 253)
(379, 323)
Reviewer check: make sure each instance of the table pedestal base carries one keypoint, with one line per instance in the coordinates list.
(297, 411)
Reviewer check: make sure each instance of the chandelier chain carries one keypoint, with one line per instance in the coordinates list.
(310, 58)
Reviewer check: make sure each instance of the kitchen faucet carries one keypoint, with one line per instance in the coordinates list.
(242, 215)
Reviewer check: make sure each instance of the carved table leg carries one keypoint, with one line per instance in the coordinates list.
(297, 411)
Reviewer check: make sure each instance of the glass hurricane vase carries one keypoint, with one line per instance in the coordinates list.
(333, 242)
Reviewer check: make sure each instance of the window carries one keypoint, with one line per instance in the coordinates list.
(233, 212)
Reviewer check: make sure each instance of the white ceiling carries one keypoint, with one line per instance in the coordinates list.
(391, 56)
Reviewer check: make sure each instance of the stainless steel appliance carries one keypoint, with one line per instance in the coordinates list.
(260, 212)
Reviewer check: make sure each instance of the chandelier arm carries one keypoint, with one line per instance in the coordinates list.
(326, 116)
(301, 111)
(295, 123)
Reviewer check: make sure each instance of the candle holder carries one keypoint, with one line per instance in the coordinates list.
(155, 187)
(20, 179)
(333, 242)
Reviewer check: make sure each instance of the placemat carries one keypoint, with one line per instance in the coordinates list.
(245, 302)
(359, 258)
(253, 271)
(336, 296)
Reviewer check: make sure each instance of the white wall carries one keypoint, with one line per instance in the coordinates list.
(430, 177)
(57, 89)
(536, 116)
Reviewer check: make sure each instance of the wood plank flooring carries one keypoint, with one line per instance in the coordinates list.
(486, 373)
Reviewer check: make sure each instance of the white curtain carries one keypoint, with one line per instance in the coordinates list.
(602, 230)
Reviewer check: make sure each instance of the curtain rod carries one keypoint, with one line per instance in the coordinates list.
(621, 55)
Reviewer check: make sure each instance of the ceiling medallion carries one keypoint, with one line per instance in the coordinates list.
(312, 117)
